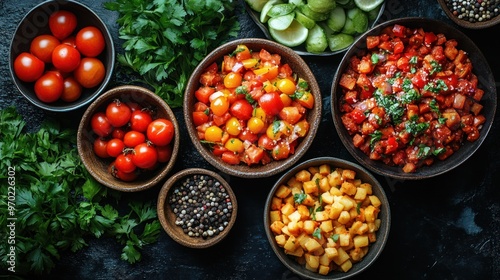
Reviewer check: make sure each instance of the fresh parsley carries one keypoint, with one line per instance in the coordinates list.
(299, 197)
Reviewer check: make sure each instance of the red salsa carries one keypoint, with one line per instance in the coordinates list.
(411, 98)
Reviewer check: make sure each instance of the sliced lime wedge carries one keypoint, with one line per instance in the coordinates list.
(368, 5)
(304, 20)
(256, 5)
(292, 36)
(281, 10)
(281, 22)
(306, 10)
(316, 40)
(339, 41)
(321, 6)
(265, 9)
(336, 20)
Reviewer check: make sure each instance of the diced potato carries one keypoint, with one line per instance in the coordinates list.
(295, 216)
(322, 216)
(285, 231)
(280, 239)
(324, 186)
(312, 245)
(276, 203)
(346, 266)
(335, 178)
(355, 227)
(312, 261)
(348, 188)
(347, 202)
(335, 210)
(303, 176)
(372, 227)
(367, 187)
(354, 213)
(344, 217)
(327, 198)
(323, 269)
(378, 222)
(277, 227)
(309, 201)
(310, 187)
(293, 228)
(288, 199)
(357, 254)
(302, 239)
(284, 219)
(335, 191)
(326, 226)
(274, 216)
(294, 184)
(348, 174)
(324, 169)
(371, 213)
(375, 200)
(287, 209)
(372, 237)
(361, 241)
(313, 170)
(309, 226)
(331, 252)
(324, 260)
(360, 194)
(282, 191)
(291, 244)
(356, 182)
(344, 239)
(299, 252)
(341, 257)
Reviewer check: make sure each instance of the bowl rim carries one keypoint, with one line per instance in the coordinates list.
(448, 164)
(85, 122)
(382, 233)
(109, 69)
(257, 171)
(467, 24)
(162, 203)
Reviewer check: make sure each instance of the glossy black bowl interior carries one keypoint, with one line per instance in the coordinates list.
(35, 23)
(480, 68)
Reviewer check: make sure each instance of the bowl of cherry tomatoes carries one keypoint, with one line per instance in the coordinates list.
(413, 98)
(61, 56)
(128, 138)
(252, 107)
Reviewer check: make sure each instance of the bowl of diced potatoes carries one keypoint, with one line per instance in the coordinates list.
(327, 218)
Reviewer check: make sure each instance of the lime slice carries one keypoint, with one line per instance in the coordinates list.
(256, 5)
(280, 10)
(306, 10)
(339, 41)
(293, 36)
(281, 22)
(373, 14)
(321, 6)
(304, 20)
(336, 20)
(316, 40)
(349, 27)
(368, 5)
(359, 20)
(265, 9)
(296, 2)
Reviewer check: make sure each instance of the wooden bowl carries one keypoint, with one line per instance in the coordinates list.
(375, 249)
(466, 23)
(98, 167)
(480, 68)
(36, 23)
(168, 218)
(297, 64)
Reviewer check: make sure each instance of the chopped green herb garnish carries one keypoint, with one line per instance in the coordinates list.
(335, 237)
(317, 233)
(299, 197)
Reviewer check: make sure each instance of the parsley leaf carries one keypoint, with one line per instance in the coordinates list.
(299, 197)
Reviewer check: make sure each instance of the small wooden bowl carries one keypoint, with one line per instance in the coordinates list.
(466, 23)
(167, 217)
(98, 167)
(36, 23)
(297, 64)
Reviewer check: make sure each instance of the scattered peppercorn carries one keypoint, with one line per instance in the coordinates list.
(474, 10)
(202, 206)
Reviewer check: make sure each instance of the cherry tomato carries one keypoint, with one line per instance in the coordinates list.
(115, 147)
(49, 87)
(242, 109)
(28, 68)
(42, 47)
(134, 106)
(100, 124)
(124, 163)
(219, 106)
(100, 148)
(71, 40)
(127, 177)
(90, 72)
(203, 93)
(232, 80)
(144, 156)
(230, 158)
(164, 153)
(140, 120)
(65, 58)
(72, 90)
(118, 113)
(199, 118)
(265, 142)
(213, 133)
(118, 133)
(133, 138)
(62, 23)
(160, 132)
(271, 103)
(89, 41)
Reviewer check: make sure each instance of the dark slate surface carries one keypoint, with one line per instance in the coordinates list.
(445, 227)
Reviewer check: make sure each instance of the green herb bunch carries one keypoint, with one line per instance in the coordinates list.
(58, 205)
(166, 39)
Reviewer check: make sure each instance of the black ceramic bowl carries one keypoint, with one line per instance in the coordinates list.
(374, 249)
(480, 68)
(35, 23)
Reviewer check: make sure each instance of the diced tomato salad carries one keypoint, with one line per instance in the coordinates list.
(252, 109)
(411, 98)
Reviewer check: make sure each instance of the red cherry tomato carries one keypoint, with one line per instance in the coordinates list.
(118, 113)
(160, 132)
(115, 147)
(100, 124)
(28, 68)
(100, 148)
(90, 72)
(199, 118)
(89, 41)
(271, 103)
(134, 138)
(71, 40)
(164, 153)
(49, 87)
(265, 142)
(145, 156)
(72, 90)
(62, 23)
(140, 120)
(118, 133)
(65, 58)
(127, 177)
(42, 47)
(124, 163)
(241, 109)
(134, 106)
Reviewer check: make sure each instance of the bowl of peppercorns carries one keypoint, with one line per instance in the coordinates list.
(472, 14)
(197, 208)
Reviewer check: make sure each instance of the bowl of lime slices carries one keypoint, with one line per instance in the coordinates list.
(315, 27)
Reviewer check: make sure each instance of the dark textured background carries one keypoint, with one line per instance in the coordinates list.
(446, 227)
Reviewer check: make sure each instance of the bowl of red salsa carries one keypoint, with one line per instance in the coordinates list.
(252, 107)
(413, 98)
